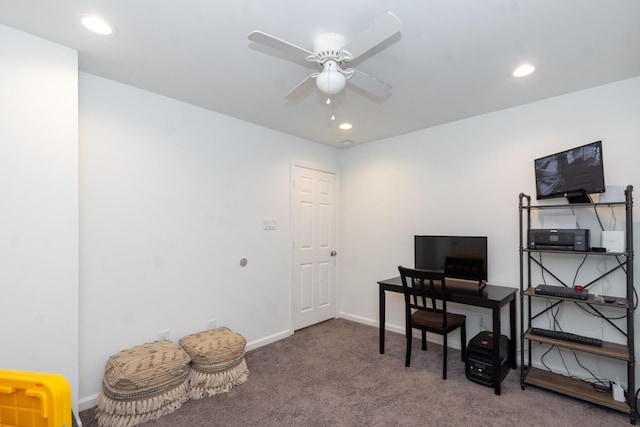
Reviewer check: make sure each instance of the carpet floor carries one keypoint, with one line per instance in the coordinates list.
(332, 374)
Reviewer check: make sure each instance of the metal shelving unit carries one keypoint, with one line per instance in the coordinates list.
(559, 383)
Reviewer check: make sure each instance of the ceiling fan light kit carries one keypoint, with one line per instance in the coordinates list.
(331, 81)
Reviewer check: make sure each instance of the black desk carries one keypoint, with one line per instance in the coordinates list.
(493, 297)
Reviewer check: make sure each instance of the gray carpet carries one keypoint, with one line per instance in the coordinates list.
(332, 374)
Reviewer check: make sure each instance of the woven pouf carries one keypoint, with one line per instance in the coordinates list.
(143, 383)
(217, 361)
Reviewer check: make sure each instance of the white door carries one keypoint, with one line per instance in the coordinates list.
(314, 245)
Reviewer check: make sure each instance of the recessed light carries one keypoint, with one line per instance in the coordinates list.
(98, 25)
(345, 126)
(523, 70)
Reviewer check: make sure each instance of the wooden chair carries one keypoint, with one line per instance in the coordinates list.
(422, 290)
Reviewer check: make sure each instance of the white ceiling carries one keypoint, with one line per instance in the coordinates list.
(452, 60)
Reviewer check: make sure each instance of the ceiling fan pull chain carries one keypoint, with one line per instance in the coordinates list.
(333, 110)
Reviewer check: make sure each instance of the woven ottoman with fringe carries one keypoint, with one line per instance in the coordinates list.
(143, 383)
(217, 361)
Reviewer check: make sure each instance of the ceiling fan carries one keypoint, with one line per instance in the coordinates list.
(331, 51)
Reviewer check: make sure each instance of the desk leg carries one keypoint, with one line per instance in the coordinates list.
(496, 350)
(382, 311)
(512, 344)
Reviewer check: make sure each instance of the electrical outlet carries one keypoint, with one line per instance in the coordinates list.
(212, 324)
(164, 335)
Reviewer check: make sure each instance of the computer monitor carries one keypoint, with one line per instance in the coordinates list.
(431, 252)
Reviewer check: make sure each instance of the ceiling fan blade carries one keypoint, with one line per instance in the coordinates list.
(383, 27)
(368, 83)
(274, 42)
(303, 88)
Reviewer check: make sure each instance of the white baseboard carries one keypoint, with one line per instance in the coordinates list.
(268, 340)
(87, 403)
(359, 319)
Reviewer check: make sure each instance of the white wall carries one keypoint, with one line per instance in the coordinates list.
(464, 178)
(172, 196)
(38, 206)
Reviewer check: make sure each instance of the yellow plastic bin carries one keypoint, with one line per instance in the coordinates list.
(34, 399)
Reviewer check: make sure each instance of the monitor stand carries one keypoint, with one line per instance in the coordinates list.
(578, 198)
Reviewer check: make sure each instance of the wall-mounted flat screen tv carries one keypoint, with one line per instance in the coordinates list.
(432, 251)
(573, 174)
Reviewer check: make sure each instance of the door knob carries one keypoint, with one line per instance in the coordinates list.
(334, 253)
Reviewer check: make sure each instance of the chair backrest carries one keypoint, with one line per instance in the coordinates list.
(423, 288)
(463, 268)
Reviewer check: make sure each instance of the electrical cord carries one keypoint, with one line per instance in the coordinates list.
(635, 294)
(613, 214)
(575, 277)
(612, 226)
(544, 280)
(599, 385)
(581, 307)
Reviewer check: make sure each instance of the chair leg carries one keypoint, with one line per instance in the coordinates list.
(424, 340)
(408, 352)
(463, 341)
(444, 356)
